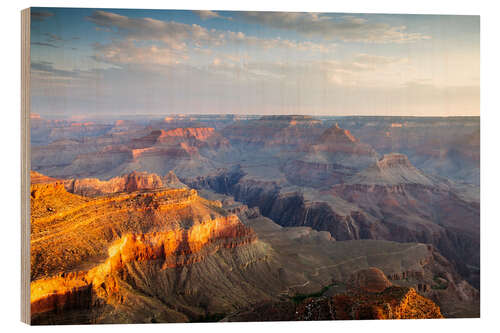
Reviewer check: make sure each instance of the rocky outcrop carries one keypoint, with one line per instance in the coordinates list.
(391, 303)
(83, 249)
(334, 157)
(127, 148)
(68, 229)
(196, 137)
(170, 180)
(91, 187)
(61, 294)
(175, 249)
(369, 280)
(51, 189)
(134, 181)
(339, 140)
(200, 133)
(335, 134)
(38, 178)
(392, 169)
(390, 161)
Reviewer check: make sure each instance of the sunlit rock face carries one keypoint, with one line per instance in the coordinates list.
(159, 230)
(336, 139)
(134, 181)
(391, 303)
(174, 249)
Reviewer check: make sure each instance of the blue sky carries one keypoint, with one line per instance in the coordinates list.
(88, 62)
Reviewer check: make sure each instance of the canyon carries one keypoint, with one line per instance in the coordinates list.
(184, 219)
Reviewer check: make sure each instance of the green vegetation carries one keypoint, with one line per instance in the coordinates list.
(300, 297)
(440, 285)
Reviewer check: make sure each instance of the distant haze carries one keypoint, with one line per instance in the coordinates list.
(152, 62)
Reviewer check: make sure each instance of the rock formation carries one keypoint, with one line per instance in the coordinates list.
(273, 131)
(131, 182)
(351, 197)
(391, 303)
(390, 200)
(335, 156)
(122, 257)
(134, 181)
(37, 178)
(370, 280)
(80, 247)
(391, 169)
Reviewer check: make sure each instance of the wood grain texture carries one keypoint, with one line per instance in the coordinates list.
(25, 165)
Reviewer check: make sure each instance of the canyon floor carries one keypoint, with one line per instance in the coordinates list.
(219, 218)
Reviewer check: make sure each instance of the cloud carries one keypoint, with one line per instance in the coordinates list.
(346, 28)
(40, 15)
(209, 14)
(172, 41)
(52, 37)
(359, 70)
(269, 43)
(49, 79)
(44, 44)
(239, 68)
(44, 70)
(173, 34)
(52, 40)
(178, 35)
(128, 52)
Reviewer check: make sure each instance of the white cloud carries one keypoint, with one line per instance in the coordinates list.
(363, 68)
(207, 14)
(346, 28)
(210, 14)
(128, 52)
(173, 34)
(178, 35)
(269, 43)
(143, 40)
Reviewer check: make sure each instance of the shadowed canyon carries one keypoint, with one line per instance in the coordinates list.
(195, 218)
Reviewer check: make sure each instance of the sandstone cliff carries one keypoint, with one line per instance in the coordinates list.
(131, 182)
(83, 249)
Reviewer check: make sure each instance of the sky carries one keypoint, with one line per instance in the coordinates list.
(89, 62)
